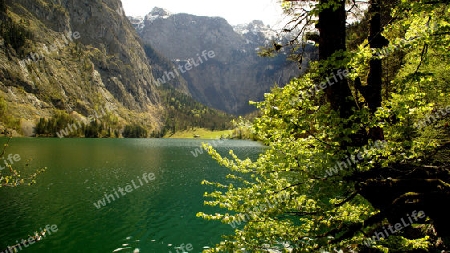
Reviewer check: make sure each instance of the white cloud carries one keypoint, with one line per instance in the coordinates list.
(234, 11)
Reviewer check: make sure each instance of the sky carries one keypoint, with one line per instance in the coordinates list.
(234, 11)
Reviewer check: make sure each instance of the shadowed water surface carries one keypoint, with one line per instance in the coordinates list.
(154, 217)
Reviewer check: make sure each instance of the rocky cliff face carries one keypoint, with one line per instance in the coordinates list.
(77, 55)
(235, 75)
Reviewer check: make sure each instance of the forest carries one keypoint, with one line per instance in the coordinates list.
(182, 113)
(378, 198)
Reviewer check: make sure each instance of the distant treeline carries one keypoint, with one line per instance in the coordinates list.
(184, 113)
(64, 125)
(13, 34)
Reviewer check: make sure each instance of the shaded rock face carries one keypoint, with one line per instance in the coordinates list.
(235, 75)
(106, 64)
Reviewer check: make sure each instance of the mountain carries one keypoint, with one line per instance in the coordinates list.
(71, 69)
(235, 75)
(256, 33)
(77, 58)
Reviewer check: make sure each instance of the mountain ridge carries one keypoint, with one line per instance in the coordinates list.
(236, 75)
(79, 75)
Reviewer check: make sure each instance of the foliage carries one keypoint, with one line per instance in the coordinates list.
(104, 127)
(134, 131)
(242, 129)
(60, 120)
(184, 113)
(93, 129)
(11, 177)
(6, 118)
(13, 34)
(3, 8)
(305, 137)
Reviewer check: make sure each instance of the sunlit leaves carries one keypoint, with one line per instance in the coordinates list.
(287, 197)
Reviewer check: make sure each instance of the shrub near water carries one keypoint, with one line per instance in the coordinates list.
(6, 118)
(134, 131)
(97, 128)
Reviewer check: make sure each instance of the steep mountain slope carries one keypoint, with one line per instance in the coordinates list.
(235, 75)
(75, 56)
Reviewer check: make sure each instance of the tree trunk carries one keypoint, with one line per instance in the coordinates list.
(332, 39)
(374, 80)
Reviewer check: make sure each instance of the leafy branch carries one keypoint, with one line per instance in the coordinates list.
(13, 177)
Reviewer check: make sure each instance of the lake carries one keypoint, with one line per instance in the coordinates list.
(149, 191)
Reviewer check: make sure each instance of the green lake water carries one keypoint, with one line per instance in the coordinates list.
(153, 217)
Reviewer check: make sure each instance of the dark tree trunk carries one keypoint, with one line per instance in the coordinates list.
(401, 188)
(332, 39)
(374, 80)
(395, 194)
